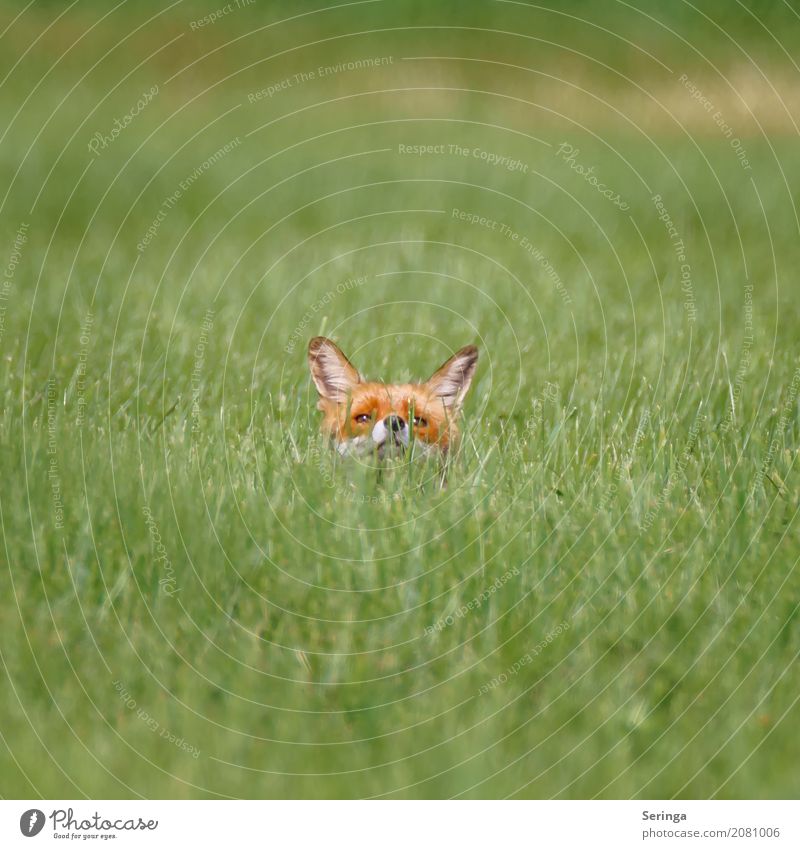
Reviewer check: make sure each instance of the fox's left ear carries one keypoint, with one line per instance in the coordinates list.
(333, 374)
(451, 381)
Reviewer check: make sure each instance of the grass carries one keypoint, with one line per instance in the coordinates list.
(198, 600)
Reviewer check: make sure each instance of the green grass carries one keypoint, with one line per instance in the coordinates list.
(624, 503)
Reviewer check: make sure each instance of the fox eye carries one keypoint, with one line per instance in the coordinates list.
(420, 422)
(362, 418)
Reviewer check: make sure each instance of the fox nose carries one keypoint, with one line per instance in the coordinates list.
(393, 423)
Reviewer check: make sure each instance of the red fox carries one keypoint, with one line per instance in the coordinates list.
(364, 417)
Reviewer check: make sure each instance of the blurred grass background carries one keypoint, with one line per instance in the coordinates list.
(631, 435)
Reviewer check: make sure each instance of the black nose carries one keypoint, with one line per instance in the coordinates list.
(394, 423)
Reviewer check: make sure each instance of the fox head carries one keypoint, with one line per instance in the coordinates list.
(363, 417)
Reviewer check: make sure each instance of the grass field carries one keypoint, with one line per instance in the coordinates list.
(197, 600)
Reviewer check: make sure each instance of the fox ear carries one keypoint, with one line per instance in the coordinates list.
(451, 381)
(331, 371)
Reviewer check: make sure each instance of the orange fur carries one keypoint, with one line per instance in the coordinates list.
(380, 400)
(430, 408)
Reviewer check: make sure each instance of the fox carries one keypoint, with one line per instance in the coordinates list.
(366, 418)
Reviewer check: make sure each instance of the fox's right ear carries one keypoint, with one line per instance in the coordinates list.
(451, 381)
(331, 371)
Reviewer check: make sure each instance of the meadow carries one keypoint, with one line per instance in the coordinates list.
(199, 600)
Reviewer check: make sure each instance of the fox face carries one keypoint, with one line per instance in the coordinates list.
(364, 417)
